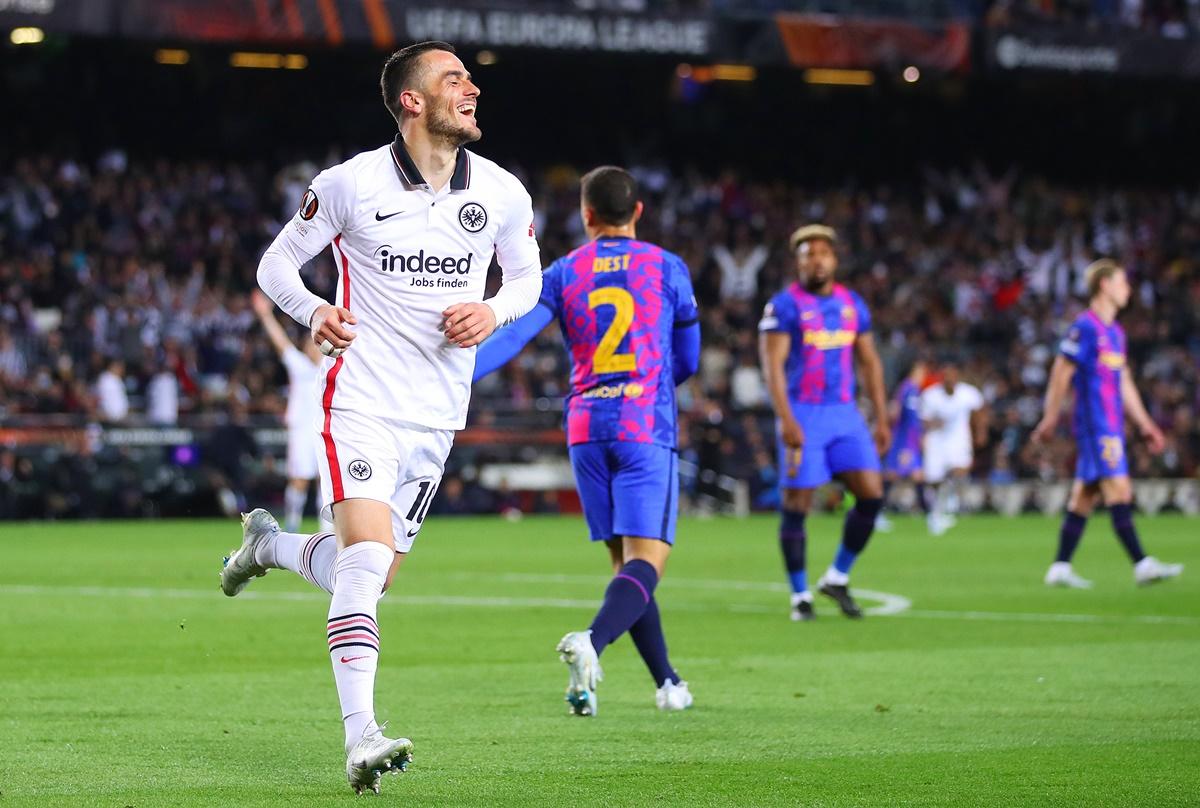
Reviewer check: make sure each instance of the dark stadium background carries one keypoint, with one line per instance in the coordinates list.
(1074, 152)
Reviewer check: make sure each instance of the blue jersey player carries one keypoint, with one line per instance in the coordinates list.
(1092, 360)
(903, 461)
(629, 320)
(813, 333)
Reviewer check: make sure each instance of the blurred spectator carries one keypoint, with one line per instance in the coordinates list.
(110, 392)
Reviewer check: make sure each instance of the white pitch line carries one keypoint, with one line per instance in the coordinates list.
(891, 605)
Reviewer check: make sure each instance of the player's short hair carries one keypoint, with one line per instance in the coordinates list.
(402, 70)
(611, 192)
(1098, 271)
(812, 231)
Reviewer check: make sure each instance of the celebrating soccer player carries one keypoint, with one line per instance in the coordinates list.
(1092, 360)
(304, 370)
(629, 320)
(414, 225)
(811, 335)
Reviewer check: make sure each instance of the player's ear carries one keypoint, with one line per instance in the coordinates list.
(589, 216)
(411, 102)
(637, 212)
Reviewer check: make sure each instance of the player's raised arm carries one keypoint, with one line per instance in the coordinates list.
(265, 310)
(323, 213)
(872, 372)
(1138, 414)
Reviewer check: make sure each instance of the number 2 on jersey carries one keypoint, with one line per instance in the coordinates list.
(606, 359)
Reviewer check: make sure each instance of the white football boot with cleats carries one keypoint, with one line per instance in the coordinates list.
(1061, 574)
(672, 696)
(577, 651)
(374, 756)
(240, 567)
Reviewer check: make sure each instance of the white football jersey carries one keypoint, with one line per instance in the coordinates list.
(303, 403)
(952, 409)
(404, 254)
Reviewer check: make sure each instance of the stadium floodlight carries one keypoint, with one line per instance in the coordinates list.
(27, 36)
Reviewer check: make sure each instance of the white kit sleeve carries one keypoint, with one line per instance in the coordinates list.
(324, 212)
(520, 259)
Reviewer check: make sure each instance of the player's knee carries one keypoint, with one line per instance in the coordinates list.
(364, 567)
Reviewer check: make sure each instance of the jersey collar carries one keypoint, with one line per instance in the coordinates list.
(407, 169)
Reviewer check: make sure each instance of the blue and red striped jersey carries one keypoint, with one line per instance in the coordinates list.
(618, 302)
(1098, 351)
(823, 328)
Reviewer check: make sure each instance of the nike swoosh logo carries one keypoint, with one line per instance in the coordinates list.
(412, 533)
(379, 218)
(351, 659)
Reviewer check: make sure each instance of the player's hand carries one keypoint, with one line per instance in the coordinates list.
(883, 438)
(792, 436)
(1044, 431)
(1154, 438)
(468, 324)
(328, 329)
(262, 305)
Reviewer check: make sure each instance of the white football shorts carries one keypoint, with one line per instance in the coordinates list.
(368, 457)
(942, 456)
(303, 452)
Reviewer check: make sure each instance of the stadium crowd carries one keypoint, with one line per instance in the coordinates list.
(124, 297)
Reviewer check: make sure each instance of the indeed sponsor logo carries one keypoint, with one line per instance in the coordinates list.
(1112, 360)
(420, 262)
(630, 390)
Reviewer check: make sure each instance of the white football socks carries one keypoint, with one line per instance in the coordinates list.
(360, 574)
(293, 508)
(311, 556)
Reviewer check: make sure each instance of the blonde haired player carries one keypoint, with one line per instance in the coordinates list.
(414, 226)
(1092, 361)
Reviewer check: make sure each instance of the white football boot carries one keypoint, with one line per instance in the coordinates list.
(883, 524)
(576, 650)
(374, 756)
(1150, 570)
(1061, 574)
(240, 566)
(673, 696)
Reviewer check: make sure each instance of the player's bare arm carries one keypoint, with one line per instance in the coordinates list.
(773, 348)
(1138, 414)
(871, 368)
(1061, 373)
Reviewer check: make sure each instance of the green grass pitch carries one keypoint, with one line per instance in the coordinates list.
(126, 679)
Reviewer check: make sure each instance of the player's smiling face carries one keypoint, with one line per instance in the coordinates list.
(451, 99)
(816, 261)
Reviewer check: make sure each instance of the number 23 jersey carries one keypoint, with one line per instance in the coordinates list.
(618, 302)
